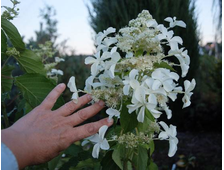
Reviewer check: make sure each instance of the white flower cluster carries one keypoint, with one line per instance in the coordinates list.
(130, 69)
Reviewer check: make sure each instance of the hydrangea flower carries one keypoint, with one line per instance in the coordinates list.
(99, 141)
(170, 134)
(130, 69)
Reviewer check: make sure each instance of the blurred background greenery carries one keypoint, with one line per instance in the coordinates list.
(199, 125)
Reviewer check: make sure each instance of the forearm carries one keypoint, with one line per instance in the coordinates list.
(17, 144)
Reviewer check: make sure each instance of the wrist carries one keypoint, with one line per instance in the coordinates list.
(16, 142)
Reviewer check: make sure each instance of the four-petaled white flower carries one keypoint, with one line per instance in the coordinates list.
(130, 81)
(55, 72)
(170, 134)
(58, 59)
(168, 35)
(113, 113)
(173, 22)
(101, 35)
(72, 86)
(140, 102)
(183, 58)
(96, 62)
(188, 86)
(164, 77)
(99, 141)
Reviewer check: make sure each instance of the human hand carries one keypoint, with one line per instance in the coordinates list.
(42, 134)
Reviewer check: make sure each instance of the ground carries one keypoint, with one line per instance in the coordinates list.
(196, 151)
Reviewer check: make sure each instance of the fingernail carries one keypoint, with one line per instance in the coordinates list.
(61, 85)
(110, 120)
(101, 103)
(89, 96)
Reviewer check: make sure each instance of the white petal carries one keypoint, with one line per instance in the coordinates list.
(152, 99)
(192, 86)
(141, 114)
(94, 138)
(168, 85)
(133, 73)
(168, 19)
(71, 84)
(126, 89)
(181, 24)
(187, 84)
(163, 135)
(133, 107)
(168, 112)
(173, 146)
(173, 131)
(105, 145)
(109, 41)
(164, 125)
(94, 69)
(84, 142)
(102, 131)
(184, 69)
(156, 114)
(109, 31)
(134, 84)
(90, 60)
(156, 85)
(113, 112)
(96, 150)
(186, 101)
(177, 39)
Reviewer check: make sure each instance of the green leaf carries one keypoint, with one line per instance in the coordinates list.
(140, 158)
(164, 65)
(52, 164)
(71, 163)
(35, 88)
(152, 166)
(30, 62)
(13, 34)
(117, 156)
(108, 163)
(6, 77)
(3, 42)
(28, 108)
(149, 115)
(151, 146)
(128, 121)
(73, 150)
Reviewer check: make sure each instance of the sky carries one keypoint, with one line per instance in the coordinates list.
(73, 21)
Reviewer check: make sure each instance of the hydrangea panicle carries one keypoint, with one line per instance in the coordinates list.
(130, 71)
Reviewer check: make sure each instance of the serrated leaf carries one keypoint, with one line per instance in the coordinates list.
(35, 88)
(13, 34)
(128, 121)
(30, 62)
(164, 65)
(6, 77)
(3, 42)
(140, 159)
(108, 163)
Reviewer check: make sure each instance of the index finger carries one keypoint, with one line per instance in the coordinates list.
(52, 97)
(71, 106)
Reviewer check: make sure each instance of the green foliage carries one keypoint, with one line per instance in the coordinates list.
(6, 78)
(140, 159)
(128, 121)
(35, 88)
(13, 34)
(108, 163)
